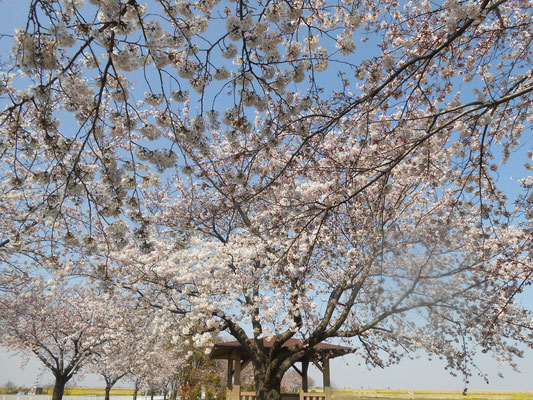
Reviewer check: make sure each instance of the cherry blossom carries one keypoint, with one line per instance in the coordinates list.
(63, 328)
(310, 169)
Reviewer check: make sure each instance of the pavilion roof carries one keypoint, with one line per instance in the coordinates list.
(224, 349)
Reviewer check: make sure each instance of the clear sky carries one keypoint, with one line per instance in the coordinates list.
(417, 374)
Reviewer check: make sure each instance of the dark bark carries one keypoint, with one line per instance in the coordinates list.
(59, 386)
(136, 387)
(268, 389)
(270, 364)
(110, 381)
(267, 382)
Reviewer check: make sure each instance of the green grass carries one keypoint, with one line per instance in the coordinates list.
(428, 395)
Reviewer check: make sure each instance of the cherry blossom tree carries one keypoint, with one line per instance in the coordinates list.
(139, 345)
(245, 167)
(115, 357)
(292, 381)
(62, 327)
(200, 374)
(154, 354)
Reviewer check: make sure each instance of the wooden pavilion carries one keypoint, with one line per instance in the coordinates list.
(237, 361)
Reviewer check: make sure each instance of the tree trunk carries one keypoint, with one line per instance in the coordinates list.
(136, 388)
(107, 392)
(174, 393)
(59, 387)
(267, 389)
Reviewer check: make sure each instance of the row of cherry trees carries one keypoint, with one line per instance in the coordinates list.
(326, 170)
(74, 328)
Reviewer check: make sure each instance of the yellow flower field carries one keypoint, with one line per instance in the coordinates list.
(85, 391)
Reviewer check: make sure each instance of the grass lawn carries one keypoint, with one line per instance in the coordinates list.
(428, 395)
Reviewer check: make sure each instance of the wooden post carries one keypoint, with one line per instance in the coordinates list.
(237, 375)
(229, 382)
(305, 381)
(325, 372)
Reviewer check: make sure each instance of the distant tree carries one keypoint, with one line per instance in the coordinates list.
(10, 387)
(113, 359)
(292, 381)
(153, 358)
(137, 381)
(201, 374)
(110, 381)
(62, 326)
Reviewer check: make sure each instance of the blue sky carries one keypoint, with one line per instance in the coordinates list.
(415, 374)
(345, 372)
